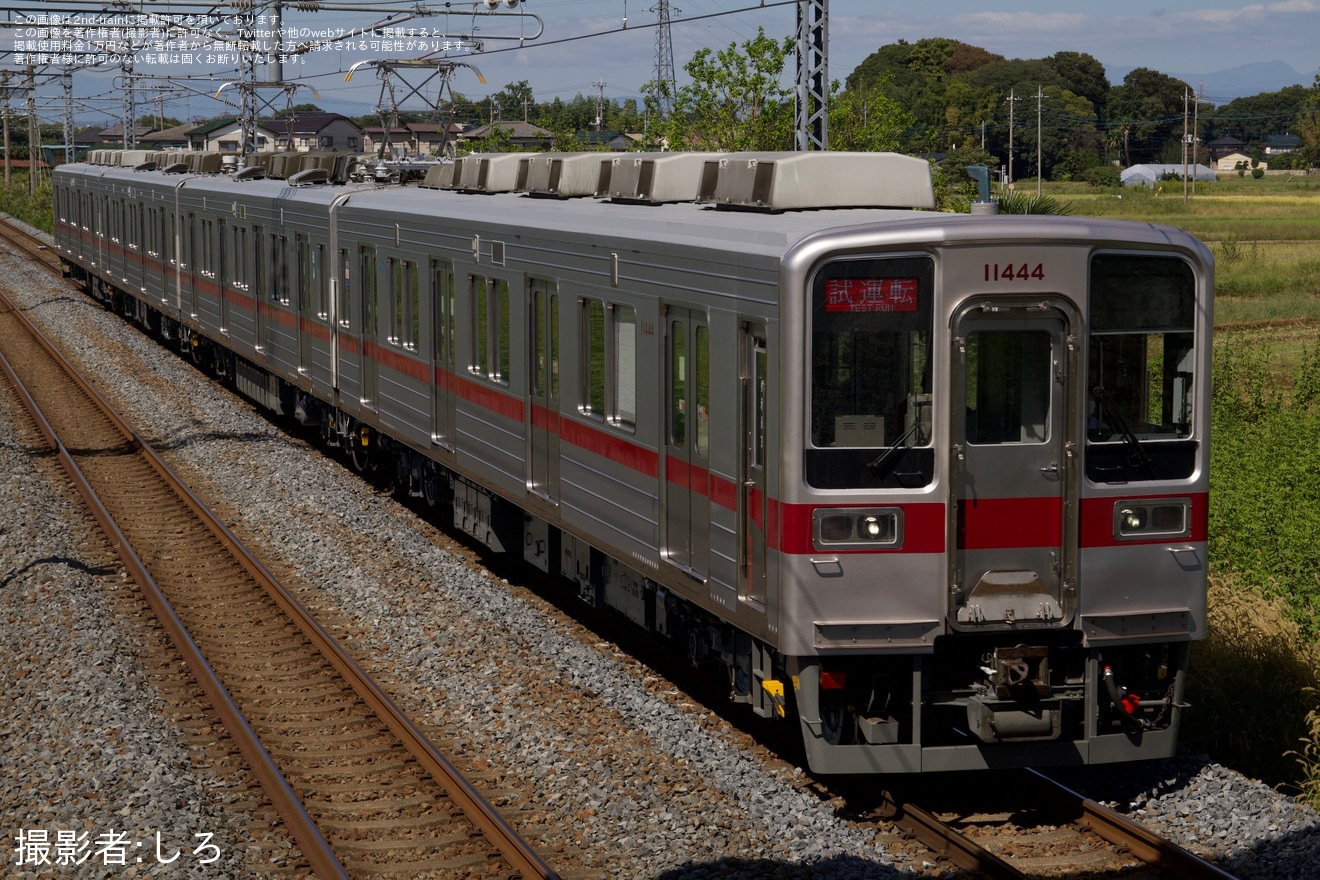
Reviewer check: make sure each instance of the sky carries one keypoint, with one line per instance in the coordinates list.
(584, 46)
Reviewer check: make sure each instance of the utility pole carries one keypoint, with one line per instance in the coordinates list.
(34, 139)
(66, 81)
(813, 81)
(1012, 100)
(600, 105)
(1196, 133)
(663, 75)
(1040, 97)
(4, 85)
(1184, 144)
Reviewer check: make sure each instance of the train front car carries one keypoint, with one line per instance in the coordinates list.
(993, 540)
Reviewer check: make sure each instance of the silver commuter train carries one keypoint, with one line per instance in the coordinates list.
(934, 484)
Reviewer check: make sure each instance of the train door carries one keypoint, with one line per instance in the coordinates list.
(191, 254)
(686, 483)
(1013, 464)
(260, 284)
(305, 287)
(223, 275)
(752, 503)
(370, 285)
(543, 389)
(444, 359)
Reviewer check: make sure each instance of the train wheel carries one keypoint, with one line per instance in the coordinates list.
(361, 451)
(833, 724)
(431, 486)
(193, 345)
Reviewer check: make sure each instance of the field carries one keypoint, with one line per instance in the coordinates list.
(1253, 682)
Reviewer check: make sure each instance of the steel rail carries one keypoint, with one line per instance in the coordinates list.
(1145, 844)
(942, 840)
(522, 858)
(313, 845)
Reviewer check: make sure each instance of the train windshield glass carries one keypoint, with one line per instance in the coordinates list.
(1140, 368)
(871, 322)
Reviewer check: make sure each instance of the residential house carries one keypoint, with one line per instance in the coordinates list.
(225, 135)
(1228, 164)
(1223, 146)
(114, 135)
(1278, 144)
(373, 136)
(175, 138)
(306, 132)
(522, 135)
(427, 137)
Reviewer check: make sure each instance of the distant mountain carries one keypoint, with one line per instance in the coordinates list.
(1223, 86)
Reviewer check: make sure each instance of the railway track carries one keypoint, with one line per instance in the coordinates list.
(1023, 824)
(1070, 837)
(362, 790)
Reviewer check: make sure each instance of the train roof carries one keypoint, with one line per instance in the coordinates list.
(645, 226)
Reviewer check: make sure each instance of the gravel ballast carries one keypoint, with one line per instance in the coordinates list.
(649, 784)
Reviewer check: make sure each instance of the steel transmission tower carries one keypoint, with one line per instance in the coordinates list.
(665, 84)
(813, 79)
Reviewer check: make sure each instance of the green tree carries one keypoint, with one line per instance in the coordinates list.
(1082, 75)
(513, 102)
(1307, 125)
(297, 110)
(866, 120)
(1147, 110)
(735, 101)
(1254, 118)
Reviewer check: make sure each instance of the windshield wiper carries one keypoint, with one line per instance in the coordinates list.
(1137, 456)
(877, 466)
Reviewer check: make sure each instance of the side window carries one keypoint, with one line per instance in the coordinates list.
(367, 283)
(345, 288)
(240, 258)
(405, 302)
(480, 325)
(318, 283)
(394, 302)
(502, 327)
(593, 358)
(442, 297)
(609, 363)
(625, 367)
(205, 259)
(279, 290)
(412, 302)
(491, 325)
(258, 272)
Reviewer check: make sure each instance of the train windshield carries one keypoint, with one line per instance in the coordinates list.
(871, 323)
(1140, 369)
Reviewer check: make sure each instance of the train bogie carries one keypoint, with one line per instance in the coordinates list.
(933, 485)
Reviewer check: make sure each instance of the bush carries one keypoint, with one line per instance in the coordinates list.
(1251, 685)
(1308, 757)
(1263, 511)
(38, 210)
(1102, 176)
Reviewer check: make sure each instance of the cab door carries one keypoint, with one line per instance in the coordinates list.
(755, 449)
(686, 480)
(1013, 499)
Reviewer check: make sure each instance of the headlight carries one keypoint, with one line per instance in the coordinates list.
(854, 529)
(1154, 518)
